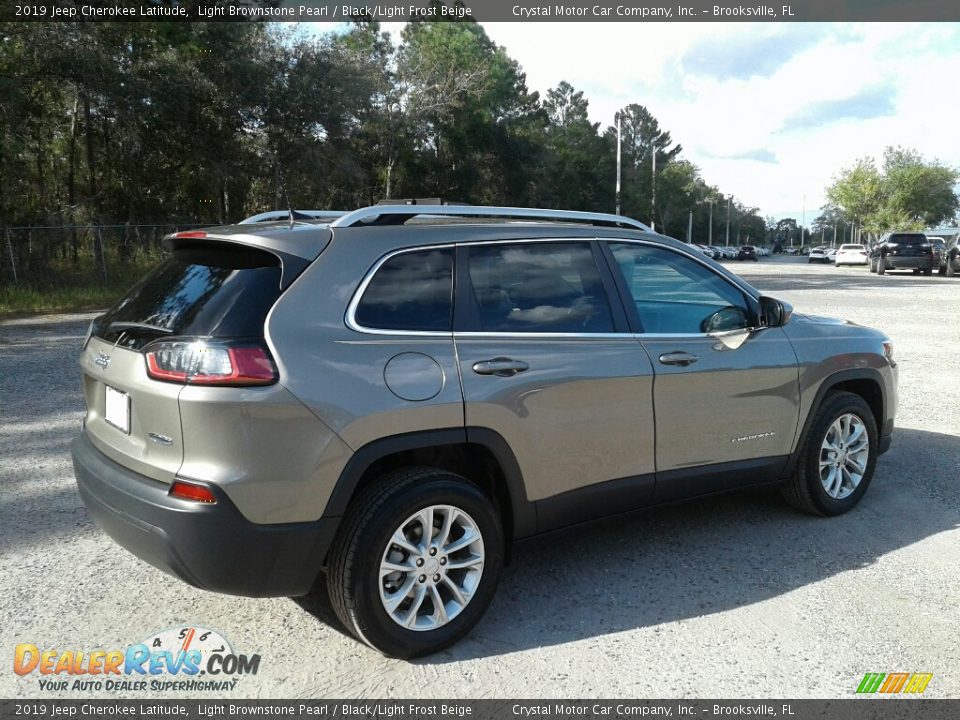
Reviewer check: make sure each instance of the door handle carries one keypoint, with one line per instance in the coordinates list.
(678, 358)
(500, 366)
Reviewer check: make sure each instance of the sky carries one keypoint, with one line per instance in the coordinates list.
(770, 112)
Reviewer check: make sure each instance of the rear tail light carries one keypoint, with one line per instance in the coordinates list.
(200, 362)
(192, 491)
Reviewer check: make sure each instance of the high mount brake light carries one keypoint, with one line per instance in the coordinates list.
(190, 234)
(200, 362)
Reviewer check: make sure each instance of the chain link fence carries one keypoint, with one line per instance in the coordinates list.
(44, 256)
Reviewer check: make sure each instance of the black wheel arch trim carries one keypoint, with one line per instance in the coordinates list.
(523, 511)
(828, 384)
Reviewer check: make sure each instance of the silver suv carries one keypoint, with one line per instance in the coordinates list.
(394, 397)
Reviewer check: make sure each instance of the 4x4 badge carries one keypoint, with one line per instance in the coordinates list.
(102, 360)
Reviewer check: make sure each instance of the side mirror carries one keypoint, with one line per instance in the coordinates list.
(773, 312)
(725, 320)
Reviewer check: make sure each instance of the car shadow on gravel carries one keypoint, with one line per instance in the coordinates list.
(704, 557)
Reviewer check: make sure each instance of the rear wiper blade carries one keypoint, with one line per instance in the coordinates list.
(124, 326)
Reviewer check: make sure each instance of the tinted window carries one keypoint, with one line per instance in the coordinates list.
(538, 287)
(410, 291)
(905, 239)
(220, 291)
(675, 294)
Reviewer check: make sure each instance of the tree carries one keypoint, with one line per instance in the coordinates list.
(908, 193)
(578, 171)
(641, 137)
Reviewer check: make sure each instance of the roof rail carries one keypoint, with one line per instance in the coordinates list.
(399, 214)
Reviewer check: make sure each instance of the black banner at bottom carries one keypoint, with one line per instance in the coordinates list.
(852, 709)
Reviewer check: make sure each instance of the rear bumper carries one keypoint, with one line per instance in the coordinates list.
(910, 262)
(208, 545)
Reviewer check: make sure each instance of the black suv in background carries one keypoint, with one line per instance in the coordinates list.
(747, 252)
(902, 251)
(950, 259)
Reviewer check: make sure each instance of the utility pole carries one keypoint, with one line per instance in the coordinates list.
(690, 227)
(728, 221)
(618, 163)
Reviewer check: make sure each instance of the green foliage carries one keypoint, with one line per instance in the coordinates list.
(166, 123)
(906, 193)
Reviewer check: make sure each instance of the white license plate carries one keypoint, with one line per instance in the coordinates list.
(117, 409)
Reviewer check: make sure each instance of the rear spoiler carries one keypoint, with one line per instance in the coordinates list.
(291, 264)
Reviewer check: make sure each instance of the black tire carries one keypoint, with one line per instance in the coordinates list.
(804, 490)
(873, 265)
(928, 271)
(881, 266)
(941, 270)
(353, 573)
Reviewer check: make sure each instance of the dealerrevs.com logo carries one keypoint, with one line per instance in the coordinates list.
(178, 659)
(894, 683)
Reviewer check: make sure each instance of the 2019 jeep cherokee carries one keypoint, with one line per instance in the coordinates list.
(395, 396)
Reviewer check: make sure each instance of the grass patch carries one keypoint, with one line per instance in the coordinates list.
(74, 289)
(17, 299)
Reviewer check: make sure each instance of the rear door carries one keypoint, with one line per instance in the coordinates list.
(726, 397)
(214, 290)
(547, 361)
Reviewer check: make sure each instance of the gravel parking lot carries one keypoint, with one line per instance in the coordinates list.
(725, 597)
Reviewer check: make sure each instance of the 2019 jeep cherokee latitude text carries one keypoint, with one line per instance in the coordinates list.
(393, 397)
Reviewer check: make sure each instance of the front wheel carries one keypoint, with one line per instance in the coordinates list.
(881, 266)
(417, 562)
(838, 457)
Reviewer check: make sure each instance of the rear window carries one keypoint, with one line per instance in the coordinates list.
(908, 239)
(220, 291)
(851, 247)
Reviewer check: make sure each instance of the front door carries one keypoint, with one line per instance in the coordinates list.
(726, 392)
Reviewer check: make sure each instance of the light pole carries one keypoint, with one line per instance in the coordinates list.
(728, 221)
(653, 199)
(710, 231)
(618, 163)
(803, 223)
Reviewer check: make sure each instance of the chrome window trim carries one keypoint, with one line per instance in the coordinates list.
(350, 319)
(351, 322)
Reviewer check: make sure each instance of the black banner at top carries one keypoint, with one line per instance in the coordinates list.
(635, 11)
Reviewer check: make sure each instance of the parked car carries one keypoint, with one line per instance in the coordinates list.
(851, 254)
(819, 255)
(279, 401)
(709, 251)
(939, 247)
(791, 251)
(902, 251)
(747, 252)
(950, 259)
